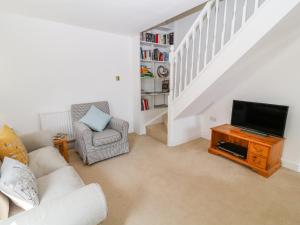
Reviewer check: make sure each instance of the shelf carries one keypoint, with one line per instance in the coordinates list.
(154, 93)
(154, 78)
(155, 44)
(157, 107)
(153, 61)
(217, 151)
(161, 106)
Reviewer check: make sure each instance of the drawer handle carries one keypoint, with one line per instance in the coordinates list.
(256, 159)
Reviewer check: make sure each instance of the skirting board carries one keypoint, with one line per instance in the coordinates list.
(290, 165)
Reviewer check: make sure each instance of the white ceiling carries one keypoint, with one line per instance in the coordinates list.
(117, 16)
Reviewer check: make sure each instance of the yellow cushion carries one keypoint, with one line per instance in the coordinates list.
(11, 145)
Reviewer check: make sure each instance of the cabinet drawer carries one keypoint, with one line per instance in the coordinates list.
(257, 161)
(258, 149)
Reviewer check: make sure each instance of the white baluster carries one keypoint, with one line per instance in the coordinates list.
(193, 52)
(207, 33)
(199, 47)
(244, 12)
(224, 22)
(180, 71)
(186, 62)
(233, 18)
(216, 27)
(172, 73)
(256, 5)
(176, 77)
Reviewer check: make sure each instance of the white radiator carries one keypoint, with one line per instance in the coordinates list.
(57, 122)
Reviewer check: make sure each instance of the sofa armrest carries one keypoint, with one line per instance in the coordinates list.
(85, 206)
(36, 140)
(120, 125)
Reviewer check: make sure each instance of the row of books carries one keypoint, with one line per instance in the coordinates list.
(154, 54)
(166, 39)
(145, 104)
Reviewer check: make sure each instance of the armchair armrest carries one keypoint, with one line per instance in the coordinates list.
(36, 140)
(85, 206)
(119, 125)
(82, 131)
(83, 139)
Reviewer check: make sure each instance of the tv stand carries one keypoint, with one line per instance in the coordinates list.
(263, 152)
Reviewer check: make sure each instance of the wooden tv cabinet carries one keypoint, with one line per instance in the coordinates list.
(264, 152)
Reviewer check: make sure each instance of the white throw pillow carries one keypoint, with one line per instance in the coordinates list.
(4, 204)
(19, 184)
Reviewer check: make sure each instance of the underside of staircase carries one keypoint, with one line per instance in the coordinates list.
(206, 64)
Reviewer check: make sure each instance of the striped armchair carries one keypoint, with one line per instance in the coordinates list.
(96, 146)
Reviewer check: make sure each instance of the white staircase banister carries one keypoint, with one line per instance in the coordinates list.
(186, 62)
(256, 5)
(172, 71)
(180, 71)
(224, 22)
(216, 27)
(193, 52)
(201, 14)
(244, 17)
(207, 31)
(233, 17)
(191, 58)
(199, 47)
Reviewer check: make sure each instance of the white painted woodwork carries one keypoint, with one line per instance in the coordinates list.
(254, 20)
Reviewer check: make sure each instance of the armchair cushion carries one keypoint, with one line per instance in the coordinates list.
(106, 136)
(96, 119)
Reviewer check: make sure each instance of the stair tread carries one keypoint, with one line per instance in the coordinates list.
(158, 132)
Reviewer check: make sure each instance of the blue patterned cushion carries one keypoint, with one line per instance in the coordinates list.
(96, 119)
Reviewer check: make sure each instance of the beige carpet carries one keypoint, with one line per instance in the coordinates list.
(157, 185)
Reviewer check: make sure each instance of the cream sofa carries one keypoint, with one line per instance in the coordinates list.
(64, 198)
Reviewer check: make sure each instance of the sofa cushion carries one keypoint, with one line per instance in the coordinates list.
(106, 137)
(45, 160)
(58, 184)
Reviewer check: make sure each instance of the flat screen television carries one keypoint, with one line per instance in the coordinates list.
(266, 119)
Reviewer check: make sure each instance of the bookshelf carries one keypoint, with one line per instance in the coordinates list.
(155, 68)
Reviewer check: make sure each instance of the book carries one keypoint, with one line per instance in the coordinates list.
(144, 104)
(166, 39)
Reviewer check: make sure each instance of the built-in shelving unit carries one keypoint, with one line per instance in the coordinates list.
(155, 68)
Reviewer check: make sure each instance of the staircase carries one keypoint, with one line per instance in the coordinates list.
(224, 32)
(159, 131)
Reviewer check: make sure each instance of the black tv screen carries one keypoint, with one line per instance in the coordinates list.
(260, 117)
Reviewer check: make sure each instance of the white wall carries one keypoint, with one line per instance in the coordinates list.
(182, 26)
(47, 66)
(276, 82)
